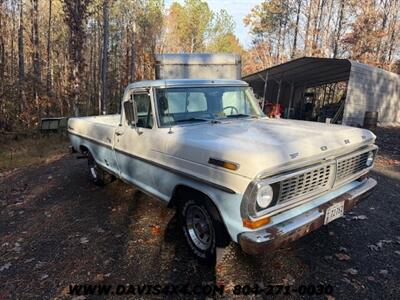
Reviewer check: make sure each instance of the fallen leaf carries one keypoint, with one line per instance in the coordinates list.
(346, 280)
(397, 252)
(79, 298)
(155, 229)
(342, 256)
(386, 241)
(373, 247)
(5, 267)
(288, 280)
(99, 277)
(84, 240)
(371, 278)
(351, 271)
(39, 265)
(44, 276)
(384, 272)
(99, 230)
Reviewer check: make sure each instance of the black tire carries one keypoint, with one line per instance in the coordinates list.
(200, 238)
(98, 175)
(189, 201)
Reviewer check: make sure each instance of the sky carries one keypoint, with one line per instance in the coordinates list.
(238, 9)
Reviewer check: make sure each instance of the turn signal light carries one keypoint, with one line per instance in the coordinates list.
(224, 164)
(256, 223)
(230, 166)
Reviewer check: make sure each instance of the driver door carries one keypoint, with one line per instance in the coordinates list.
(133, 143)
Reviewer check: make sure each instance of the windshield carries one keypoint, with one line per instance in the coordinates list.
(201, 104)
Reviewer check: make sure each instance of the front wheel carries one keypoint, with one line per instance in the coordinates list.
(199, 230)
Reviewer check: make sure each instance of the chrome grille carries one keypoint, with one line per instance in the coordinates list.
(313, 181)
(351, 166)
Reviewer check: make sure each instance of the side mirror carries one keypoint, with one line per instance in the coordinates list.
(130, 109)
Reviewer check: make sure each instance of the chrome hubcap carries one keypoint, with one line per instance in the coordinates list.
(199, 227)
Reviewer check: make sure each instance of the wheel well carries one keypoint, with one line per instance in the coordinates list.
(83, 149)
(179, 194)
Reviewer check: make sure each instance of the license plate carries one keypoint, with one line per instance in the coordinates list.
(334, 212)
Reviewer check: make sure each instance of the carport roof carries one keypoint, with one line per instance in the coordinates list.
(308, 71)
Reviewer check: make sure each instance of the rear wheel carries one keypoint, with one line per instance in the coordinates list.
(97, 174)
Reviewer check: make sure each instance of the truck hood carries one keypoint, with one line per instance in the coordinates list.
(264, 145)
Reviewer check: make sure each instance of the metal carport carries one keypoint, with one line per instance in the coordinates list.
(368, 88)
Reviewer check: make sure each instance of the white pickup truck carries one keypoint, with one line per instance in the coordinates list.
(206, 148)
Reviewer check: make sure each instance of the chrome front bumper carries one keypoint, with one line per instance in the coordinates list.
(263, 240)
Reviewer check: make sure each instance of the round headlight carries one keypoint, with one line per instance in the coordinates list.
(370, 159)
(265, 195)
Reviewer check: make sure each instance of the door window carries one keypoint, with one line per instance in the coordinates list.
(145, 114)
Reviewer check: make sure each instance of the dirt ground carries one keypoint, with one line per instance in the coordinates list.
(57, 229)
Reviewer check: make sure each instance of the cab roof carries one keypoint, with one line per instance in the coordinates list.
(185, 82)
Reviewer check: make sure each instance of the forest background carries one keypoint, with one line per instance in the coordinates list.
(75, 57)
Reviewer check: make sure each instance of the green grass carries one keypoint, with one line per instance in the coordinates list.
(25, 151)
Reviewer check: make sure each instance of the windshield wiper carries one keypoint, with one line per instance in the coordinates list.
(243, 116)
(192, 120)
(238, 116)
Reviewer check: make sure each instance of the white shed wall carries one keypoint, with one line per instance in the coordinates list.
(372, 89)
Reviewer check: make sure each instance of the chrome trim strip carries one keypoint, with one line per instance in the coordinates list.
(217, 186)
(91, 139)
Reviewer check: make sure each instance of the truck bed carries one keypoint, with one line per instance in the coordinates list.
(97, 128)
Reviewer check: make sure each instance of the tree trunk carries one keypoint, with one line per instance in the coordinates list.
(99, 62)
(383, 27)
(319, 24)
(36, 56)
(315, 27)
(327, 31)
(393, 30)
(309, 14)
(75, 13)
(104, 61)
(2, 50)
(338, 29)
(21, 60)
(133, 55)
(296, 28)
(49, 77)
